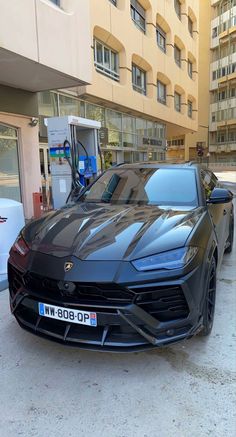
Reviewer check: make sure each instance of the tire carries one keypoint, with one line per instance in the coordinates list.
(230, 240)
(209, 303)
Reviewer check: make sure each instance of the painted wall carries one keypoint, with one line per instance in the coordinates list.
(202, 134)
(114, 26)
(52, 36)
(18, 101)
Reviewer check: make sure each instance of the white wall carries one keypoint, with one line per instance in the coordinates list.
(55, 37)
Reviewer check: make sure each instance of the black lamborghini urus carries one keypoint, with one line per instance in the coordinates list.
(130, 265)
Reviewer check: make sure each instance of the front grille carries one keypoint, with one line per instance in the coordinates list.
(15, 279)
(119, 323)
(164, 303)
(80, 292)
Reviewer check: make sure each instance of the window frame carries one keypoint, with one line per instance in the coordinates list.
(177, 5)
(140, 89)
(190, 26)
(177, 107)
(190, 109)
(159, 99)
(161, 34)
(101, 67)
(190, 69)
(214, 33)
(137, 9)
(177, 60)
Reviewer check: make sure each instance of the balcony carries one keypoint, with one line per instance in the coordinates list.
(222, 147)
(223, 36)
(226, 78)
(228, 122)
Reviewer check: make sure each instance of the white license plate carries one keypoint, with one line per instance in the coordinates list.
(67, 314)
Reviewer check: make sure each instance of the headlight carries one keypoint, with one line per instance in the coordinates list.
(173, 259)
(20, 246)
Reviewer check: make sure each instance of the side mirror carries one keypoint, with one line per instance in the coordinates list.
(220, 195)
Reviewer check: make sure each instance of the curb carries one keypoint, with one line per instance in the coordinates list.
(3, 285)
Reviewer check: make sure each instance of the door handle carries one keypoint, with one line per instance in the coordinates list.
(224, 212)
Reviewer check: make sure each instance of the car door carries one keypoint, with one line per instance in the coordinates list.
(219, 212)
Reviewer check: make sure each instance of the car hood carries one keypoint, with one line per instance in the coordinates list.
(93, 231)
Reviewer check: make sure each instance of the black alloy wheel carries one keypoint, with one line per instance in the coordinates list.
(229, 243)
(209, 304)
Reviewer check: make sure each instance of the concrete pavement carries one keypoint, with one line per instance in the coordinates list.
(184, 390)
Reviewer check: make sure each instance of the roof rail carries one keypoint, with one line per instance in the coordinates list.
(118, 165)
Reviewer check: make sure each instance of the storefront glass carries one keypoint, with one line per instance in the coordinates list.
(48, 104)
(110, 158)
(128, 156)
(128, 124)
(9, 166)
(95, 112)
(129, 140)
(125, 132)
(114, 138)
(113, 120)
(69, 106)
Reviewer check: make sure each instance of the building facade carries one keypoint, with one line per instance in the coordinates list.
(131, 64)
(40, 49)
(222, 122)
(144, 86)
(200, 139)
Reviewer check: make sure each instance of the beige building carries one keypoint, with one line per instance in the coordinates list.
(222, 121)
(41, 48)
(216, 134)
(144, 85)
(202, 137)
(134, 65)
(149, 70)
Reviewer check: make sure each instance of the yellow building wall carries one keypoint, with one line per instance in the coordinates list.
(202, 134)
(115, 28)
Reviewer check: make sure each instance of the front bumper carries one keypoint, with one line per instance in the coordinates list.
(130, 317)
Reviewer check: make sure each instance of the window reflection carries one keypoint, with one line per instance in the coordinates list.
(145, 186)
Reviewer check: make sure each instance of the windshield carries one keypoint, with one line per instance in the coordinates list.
(151, 186)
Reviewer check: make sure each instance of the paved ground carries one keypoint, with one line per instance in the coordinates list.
(229, 177)
(184, 390)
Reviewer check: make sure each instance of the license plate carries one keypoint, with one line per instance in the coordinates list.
(67, 314)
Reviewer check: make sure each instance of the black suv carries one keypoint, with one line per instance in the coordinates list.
(131, 265)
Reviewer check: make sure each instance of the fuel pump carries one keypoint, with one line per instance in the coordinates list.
(74, 155)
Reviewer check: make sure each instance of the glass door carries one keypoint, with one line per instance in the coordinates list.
(45, 175)
(9, 164)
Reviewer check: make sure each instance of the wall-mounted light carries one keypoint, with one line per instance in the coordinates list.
(33, 122)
